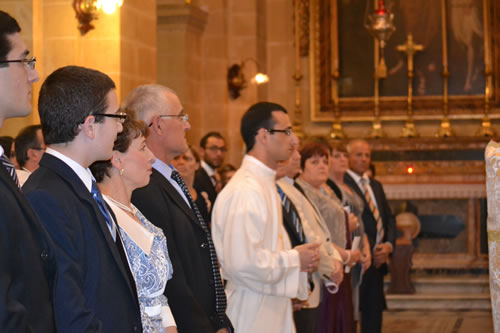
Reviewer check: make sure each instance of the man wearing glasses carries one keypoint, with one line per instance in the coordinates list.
(195, 293)
(30, 147)
(212, 151)
(27, 262)
(80, 118)
(262, 270)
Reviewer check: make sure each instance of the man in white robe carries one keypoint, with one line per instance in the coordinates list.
(263, 272)
(330, 269)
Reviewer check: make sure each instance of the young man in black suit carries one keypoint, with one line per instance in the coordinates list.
(195, 293)
(80, 117)
(212, 151)
(381, 231)
(27, 263)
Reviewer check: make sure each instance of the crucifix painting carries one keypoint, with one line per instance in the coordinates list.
(451, 33)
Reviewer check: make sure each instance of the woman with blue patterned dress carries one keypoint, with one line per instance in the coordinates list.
(145, 244)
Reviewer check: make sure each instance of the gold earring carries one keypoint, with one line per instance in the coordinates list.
(122, 171)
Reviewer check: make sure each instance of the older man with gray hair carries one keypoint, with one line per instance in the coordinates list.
(195, 292)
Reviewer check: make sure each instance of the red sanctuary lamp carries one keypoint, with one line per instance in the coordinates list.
(381, 26)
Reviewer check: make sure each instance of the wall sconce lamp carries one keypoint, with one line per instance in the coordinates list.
(236, 80)
(87, 10)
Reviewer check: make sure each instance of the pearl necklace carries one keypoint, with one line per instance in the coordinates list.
(131, 209)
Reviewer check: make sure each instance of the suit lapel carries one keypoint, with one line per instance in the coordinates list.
(353, 185)
(17, 193)
(174, 196)
(71, 178)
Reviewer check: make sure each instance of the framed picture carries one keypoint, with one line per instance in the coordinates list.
(455, 36)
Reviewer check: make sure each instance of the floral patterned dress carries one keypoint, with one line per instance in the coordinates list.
(151, 273)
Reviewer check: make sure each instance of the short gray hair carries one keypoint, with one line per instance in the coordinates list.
(147, 101)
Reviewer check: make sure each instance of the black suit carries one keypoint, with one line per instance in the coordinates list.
(93, 287)
(191, 291)
(372, 299)
(203, 183)
(27, 264)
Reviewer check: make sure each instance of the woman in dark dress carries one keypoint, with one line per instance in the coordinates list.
(336, 310)
(187, 164)
(338, 167)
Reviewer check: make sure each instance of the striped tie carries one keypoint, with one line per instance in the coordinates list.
(374, 209)
(220, 296)
(292, 213)
(11, 170)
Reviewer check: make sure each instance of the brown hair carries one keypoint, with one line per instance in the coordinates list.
(132, 129)
(311, 149)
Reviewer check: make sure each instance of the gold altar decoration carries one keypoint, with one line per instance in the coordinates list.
(410, 48)
(381, 26)
(299, 11)
(445, 129)
(337, 131)
(486, 129)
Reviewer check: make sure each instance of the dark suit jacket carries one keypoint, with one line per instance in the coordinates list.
(27, 264)
(191, 291)
(384, 210)
(203, 183)
(93, 289)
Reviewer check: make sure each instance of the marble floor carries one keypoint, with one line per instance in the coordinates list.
(438, 321)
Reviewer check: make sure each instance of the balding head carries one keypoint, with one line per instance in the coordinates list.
(359, 156)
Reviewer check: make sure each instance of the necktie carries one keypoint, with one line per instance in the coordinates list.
(104, 210)
(10, 168)
(374, 210)
(214, 181)
(293, 216)
(220, 296)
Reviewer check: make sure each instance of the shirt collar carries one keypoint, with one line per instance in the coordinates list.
(258, 167)
(210, 171)
(83, 173)
(288, 180)
(360, 180)
(163, 168)
(1, 151)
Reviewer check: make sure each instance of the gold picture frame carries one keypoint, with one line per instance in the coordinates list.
(327, 76)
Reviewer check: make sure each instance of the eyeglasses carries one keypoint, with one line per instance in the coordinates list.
(28, 62)
(183, 116)
(121, 116)
(215, 149)
(287, 131)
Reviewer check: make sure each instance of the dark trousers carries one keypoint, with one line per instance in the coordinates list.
(306, 320)
(372, 300)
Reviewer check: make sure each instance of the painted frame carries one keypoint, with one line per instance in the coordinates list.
(326, 77)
